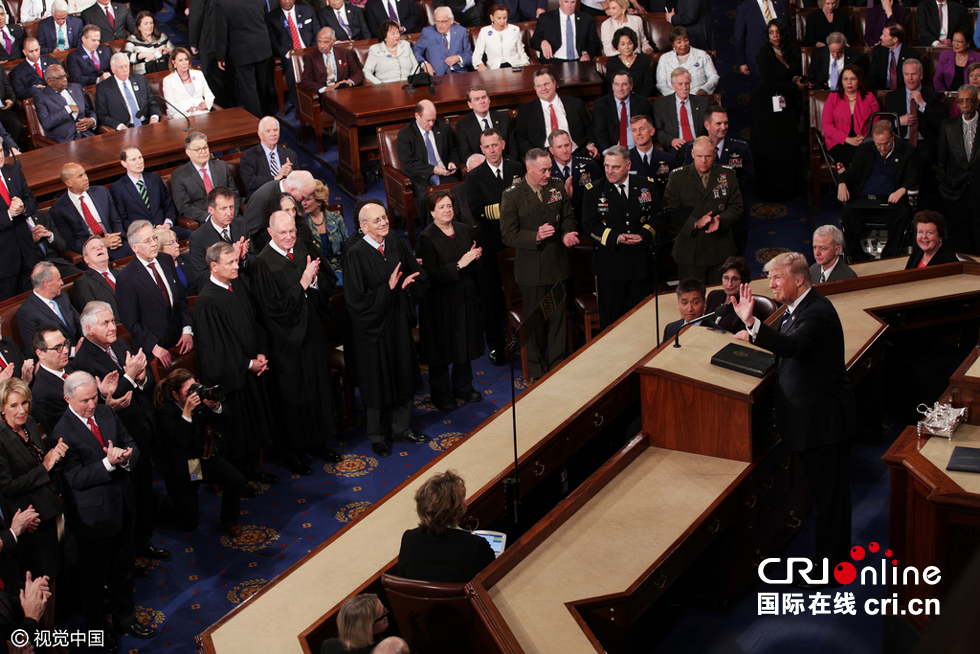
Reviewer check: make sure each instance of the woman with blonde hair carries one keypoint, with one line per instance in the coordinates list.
(361, 619)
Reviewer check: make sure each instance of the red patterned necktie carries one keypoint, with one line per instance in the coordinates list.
(293, 32)
(159, 281)
(208, 186)
(623, 124)
(96, 431)
(3, 191)
(112, 284)
(93, 225)
(554, 117)
(685, 123)
(108, 14)
(289, 255)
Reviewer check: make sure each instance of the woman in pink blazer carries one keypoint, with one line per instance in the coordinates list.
(847, 114)
(951, 67)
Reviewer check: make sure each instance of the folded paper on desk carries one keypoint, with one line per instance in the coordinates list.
(744, 359)
(964, 459)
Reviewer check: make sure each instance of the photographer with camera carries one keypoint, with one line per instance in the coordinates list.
(188, 421)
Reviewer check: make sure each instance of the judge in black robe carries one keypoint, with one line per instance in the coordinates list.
(450, 331)
(386, 366)
(292, 304)
(231, 354)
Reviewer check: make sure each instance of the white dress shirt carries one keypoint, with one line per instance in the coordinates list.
(562, 120)
(560, 49)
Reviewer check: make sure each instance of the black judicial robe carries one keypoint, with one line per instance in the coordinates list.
(228, 337)
(451, 330)
(299, 360)
(386, 366)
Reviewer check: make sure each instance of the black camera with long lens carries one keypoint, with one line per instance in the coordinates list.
(212, 393)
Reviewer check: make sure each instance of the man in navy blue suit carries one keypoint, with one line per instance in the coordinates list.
(750, 30)
(62, 109)
(431, 46)
(814, 400)
(548, 35)
(645, 159)
(283, 21)
(143, 196)
(258, 161)
(85, 211)
(346, 20)
(28, 75)
(610, 126)
(17, 238)
(403, 12)
(59, 31)
(524, 10)
(97, 467)
(125, 100)
(47, 305)
(151, 299)
(112, 18)
(89, 63)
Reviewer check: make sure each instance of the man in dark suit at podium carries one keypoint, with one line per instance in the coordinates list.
(814, 400)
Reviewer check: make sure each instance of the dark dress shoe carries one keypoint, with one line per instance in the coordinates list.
(381, 448)
(250, 492)
(266, 478)
(139, 631)
(498, 357)
(409, 436)
(234, 531)
(151, 552)
(297, 467)
(444, 406)
(469, 397)
(329, 455)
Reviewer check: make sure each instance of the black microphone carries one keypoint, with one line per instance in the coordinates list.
(720, 312)
(189, 128)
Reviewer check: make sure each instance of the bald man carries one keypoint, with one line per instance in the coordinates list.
(427, 150)
(299, 184)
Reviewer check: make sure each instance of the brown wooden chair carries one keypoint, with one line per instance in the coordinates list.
(276, 78)
(398, 187)
(586, 302)
(801, 15)
(35, 132)
(433, 617)
(308, 108)
(764, 307)
(427, 11)
(658, 30)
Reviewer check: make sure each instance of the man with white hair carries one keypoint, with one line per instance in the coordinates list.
(300, 184)
(444, 47)
(102, 512)
(706, 202)
(828, 242)
(814, 400)
(269, 160)
(125, 100)
(58, 31)
(679, 117)
(382, 284)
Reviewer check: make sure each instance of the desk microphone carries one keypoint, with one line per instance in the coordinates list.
(189, 128)
(720, 312)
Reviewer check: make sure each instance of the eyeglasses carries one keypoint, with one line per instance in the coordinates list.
(383, 615)
(200, 150)
(377, 222)
(64, 345)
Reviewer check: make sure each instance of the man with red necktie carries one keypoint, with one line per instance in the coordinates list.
(549, 111)
(98, 282)
(191, 183)
(679, 117)
(85, 210)
(292, 27)
(112, 18)
(97, 467)
(17, 238)
(612, 113)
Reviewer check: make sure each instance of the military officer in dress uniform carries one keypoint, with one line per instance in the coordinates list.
(576, 172)
(536, 218)
(735, 154)
(618, 213)
(646, 160)
(706, 201)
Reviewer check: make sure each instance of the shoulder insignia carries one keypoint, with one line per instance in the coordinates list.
(735, 140)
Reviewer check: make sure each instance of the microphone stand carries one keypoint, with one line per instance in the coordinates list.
(189, 128)
(720, 312)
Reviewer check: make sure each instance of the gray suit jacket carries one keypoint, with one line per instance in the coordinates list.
(841, 271)
(187, 188)
(665, 119)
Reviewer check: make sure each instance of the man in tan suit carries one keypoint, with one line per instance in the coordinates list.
(536, 217)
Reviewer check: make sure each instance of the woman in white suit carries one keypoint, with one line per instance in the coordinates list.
(616, 10)
(185, 87)
(391, 59)
(704, 77)
(500, 42)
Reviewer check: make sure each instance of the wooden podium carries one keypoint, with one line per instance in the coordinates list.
(692, 406)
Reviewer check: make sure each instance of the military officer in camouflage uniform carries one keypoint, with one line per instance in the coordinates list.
(618, 213)
(732, 152)
(537, 219)
(576, 172)
(710, 202)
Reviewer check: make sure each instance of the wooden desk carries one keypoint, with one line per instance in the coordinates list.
(161, 143)
(379, 104)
